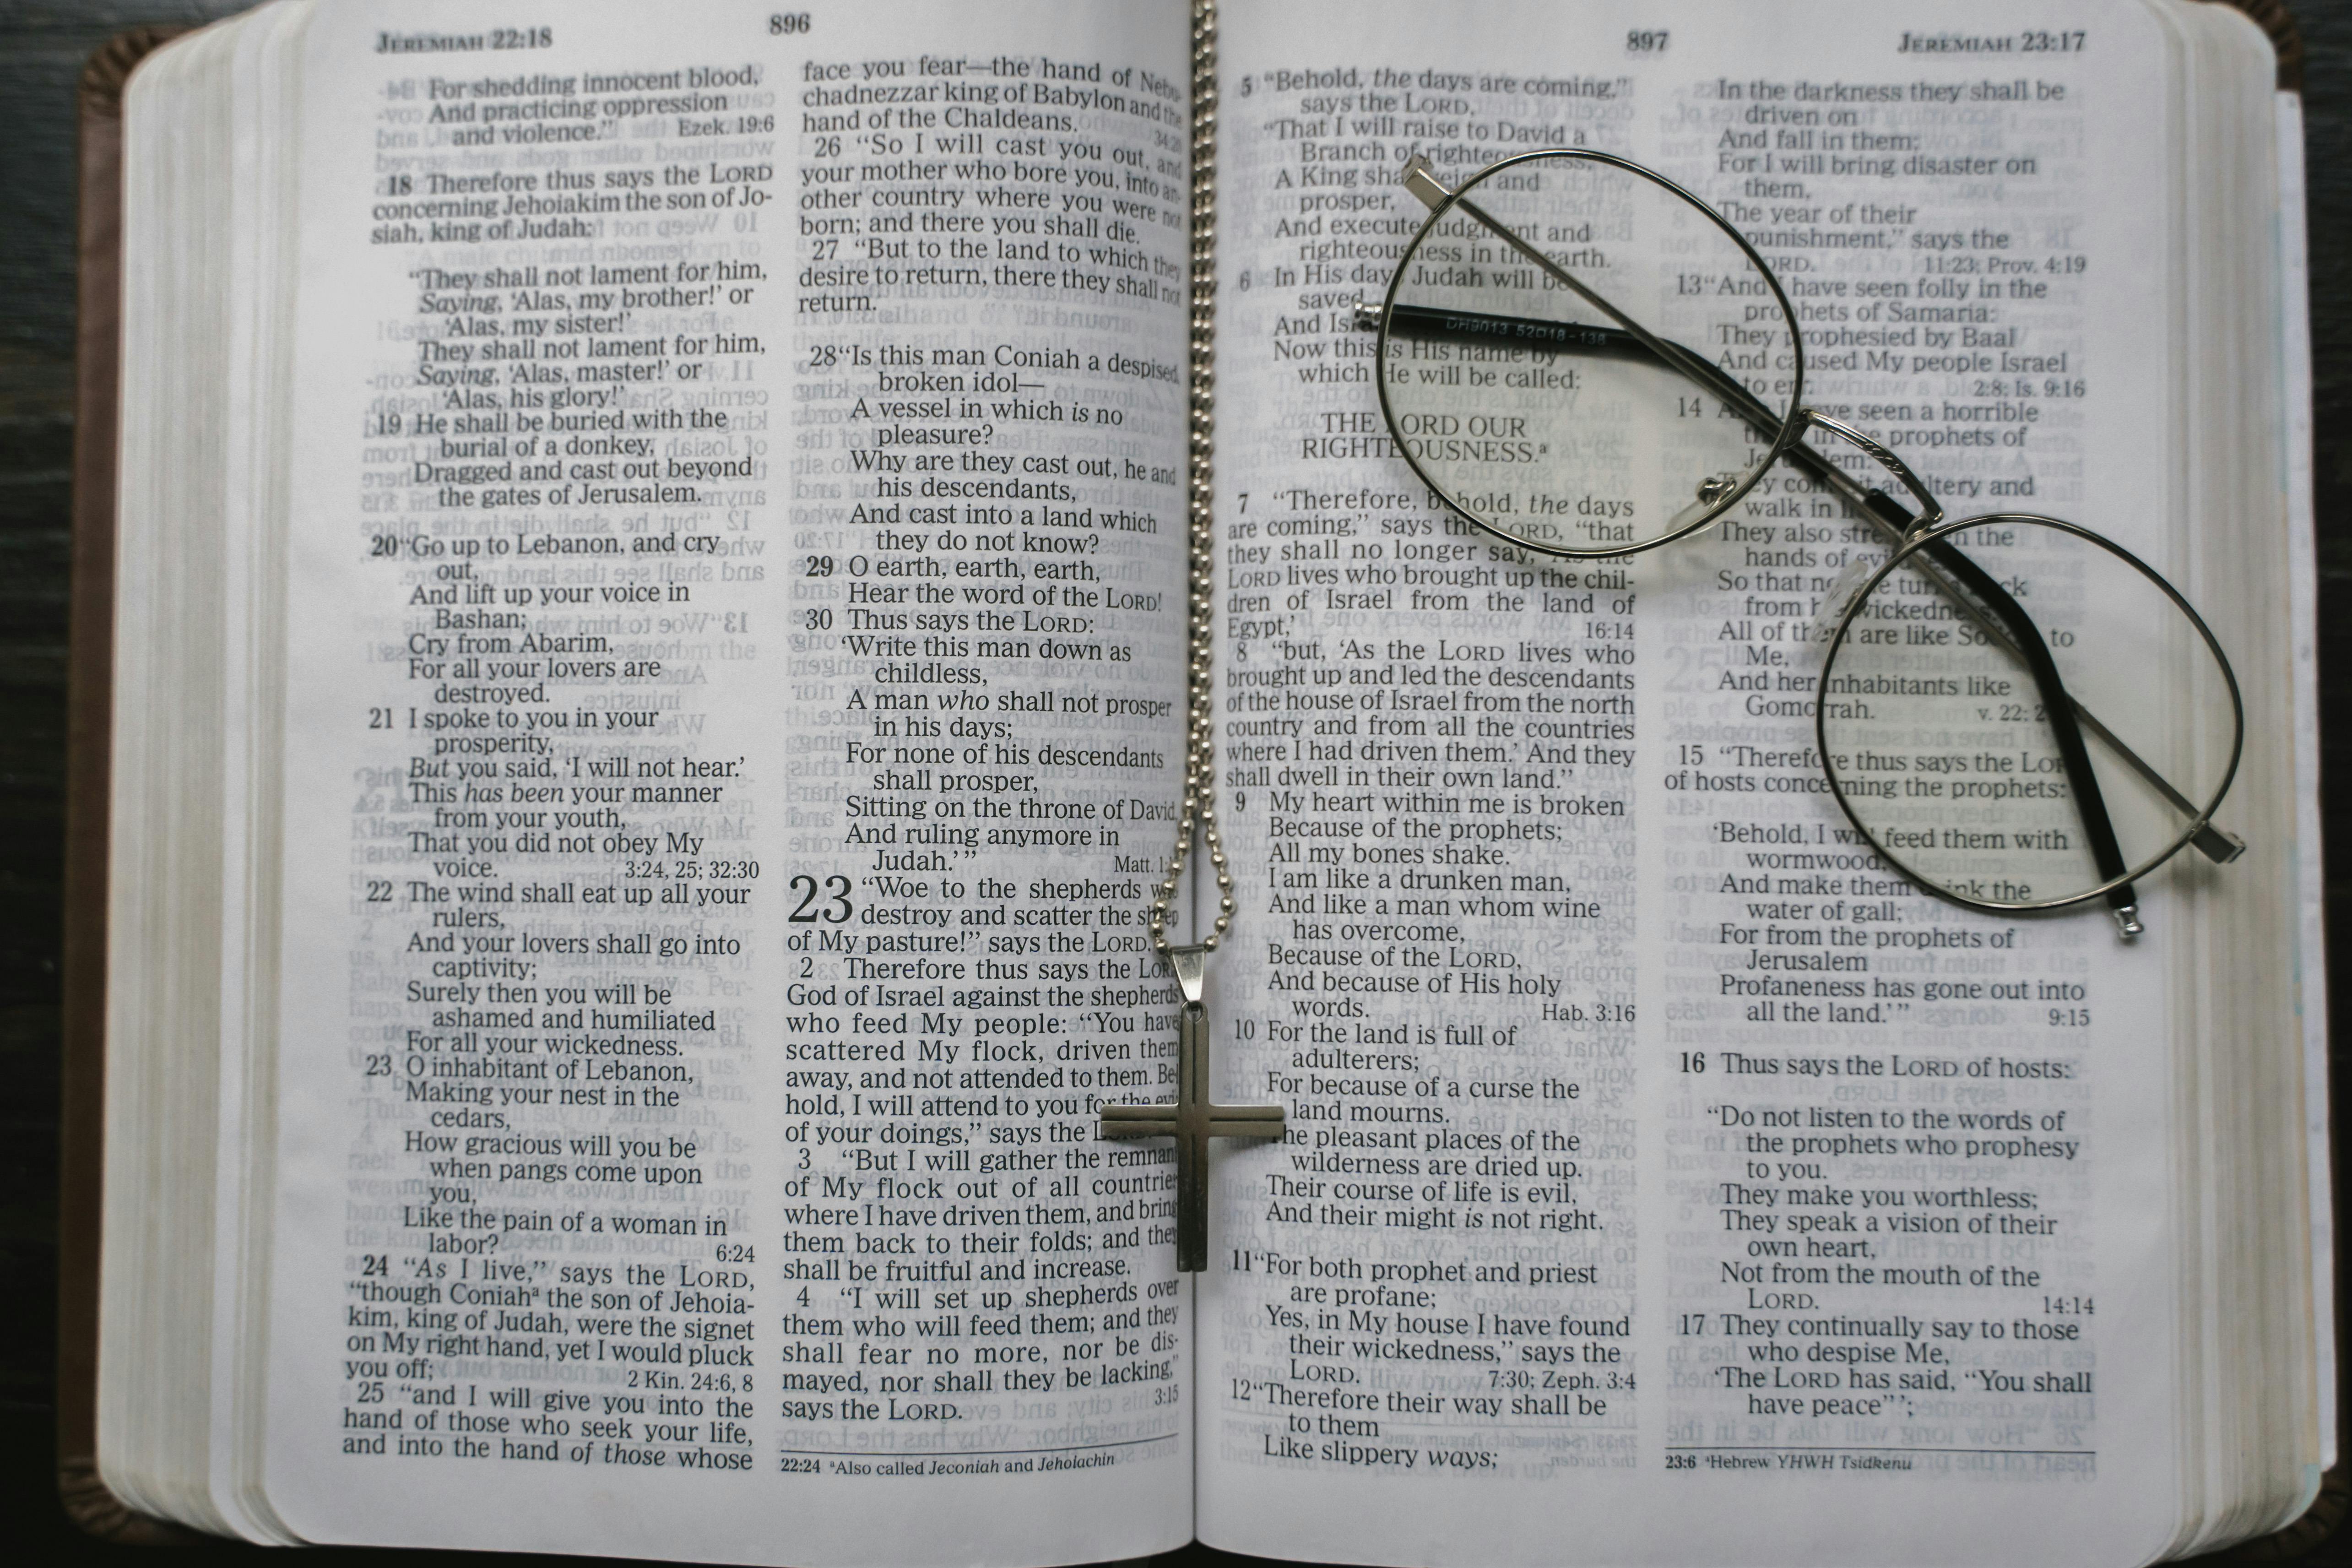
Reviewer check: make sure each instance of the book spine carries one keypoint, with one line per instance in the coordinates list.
(1198, 816)
(1204, 282)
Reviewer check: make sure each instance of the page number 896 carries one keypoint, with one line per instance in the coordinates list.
(1646, 43)
(788, 22)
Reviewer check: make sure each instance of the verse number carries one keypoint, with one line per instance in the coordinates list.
(379, 890)
(1694, 1061)
(1682, 1461)
(782, 23)
(1646, 43)
(833, 911)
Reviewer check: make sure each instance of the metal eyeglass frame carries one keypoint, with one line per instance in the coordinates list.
(1921, 538)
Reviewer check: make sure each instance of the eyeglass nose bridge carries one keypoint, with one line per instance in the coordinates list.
(1931, 512)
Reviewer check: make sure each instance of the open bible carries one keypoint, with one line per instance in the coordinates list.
(649, 661)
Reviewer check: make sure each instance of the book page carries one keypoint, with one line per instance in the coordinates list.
(1667, 1180)
(2295, 336)
(737, 606)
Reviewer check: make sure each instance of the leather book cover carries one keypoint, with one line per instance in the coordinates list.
(89, 698)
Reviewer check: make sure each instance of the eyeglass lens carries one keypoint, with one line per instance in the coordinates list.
(1552, 411)
(1944, 751)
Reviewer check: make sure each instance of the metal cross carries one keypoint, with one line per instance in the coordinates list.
(1194, 1119)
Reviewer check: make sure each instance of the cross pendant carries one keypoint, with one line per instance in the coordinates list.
(1194, 1119)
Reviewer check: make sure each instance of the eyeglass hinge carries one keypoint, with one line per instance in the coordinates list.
(1420, 177)
(2128, 923)
(2218, 844)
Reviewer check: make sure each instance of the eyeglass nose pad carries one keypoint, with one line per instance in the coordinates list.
(1711, 491)
(1843, 590)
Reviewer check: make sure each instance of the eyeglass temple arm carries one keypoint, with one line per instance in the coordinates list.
(1420, 177)
(2024, 640)
(2006, 623)
(1667, 352)
(2090, 802)
(1976, 595)
(2216, 844)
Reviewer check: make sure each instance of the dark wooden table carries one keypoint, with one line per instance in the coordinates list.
(43, 44)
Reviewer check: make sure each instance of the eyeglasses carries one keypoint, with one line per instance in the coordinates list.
(1587, 362)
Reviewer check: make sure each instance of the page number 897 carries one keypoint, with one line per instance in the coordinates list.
(1646, 43)
(788, 22)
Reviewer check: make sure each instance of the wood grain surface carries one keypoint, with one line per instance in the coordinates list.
(42, 48)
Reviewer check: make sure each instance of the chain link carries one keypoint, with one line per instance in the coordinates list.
(1199, 812)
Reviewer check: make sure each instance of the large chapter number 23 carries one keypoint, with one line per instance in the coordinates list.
(833, 911)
